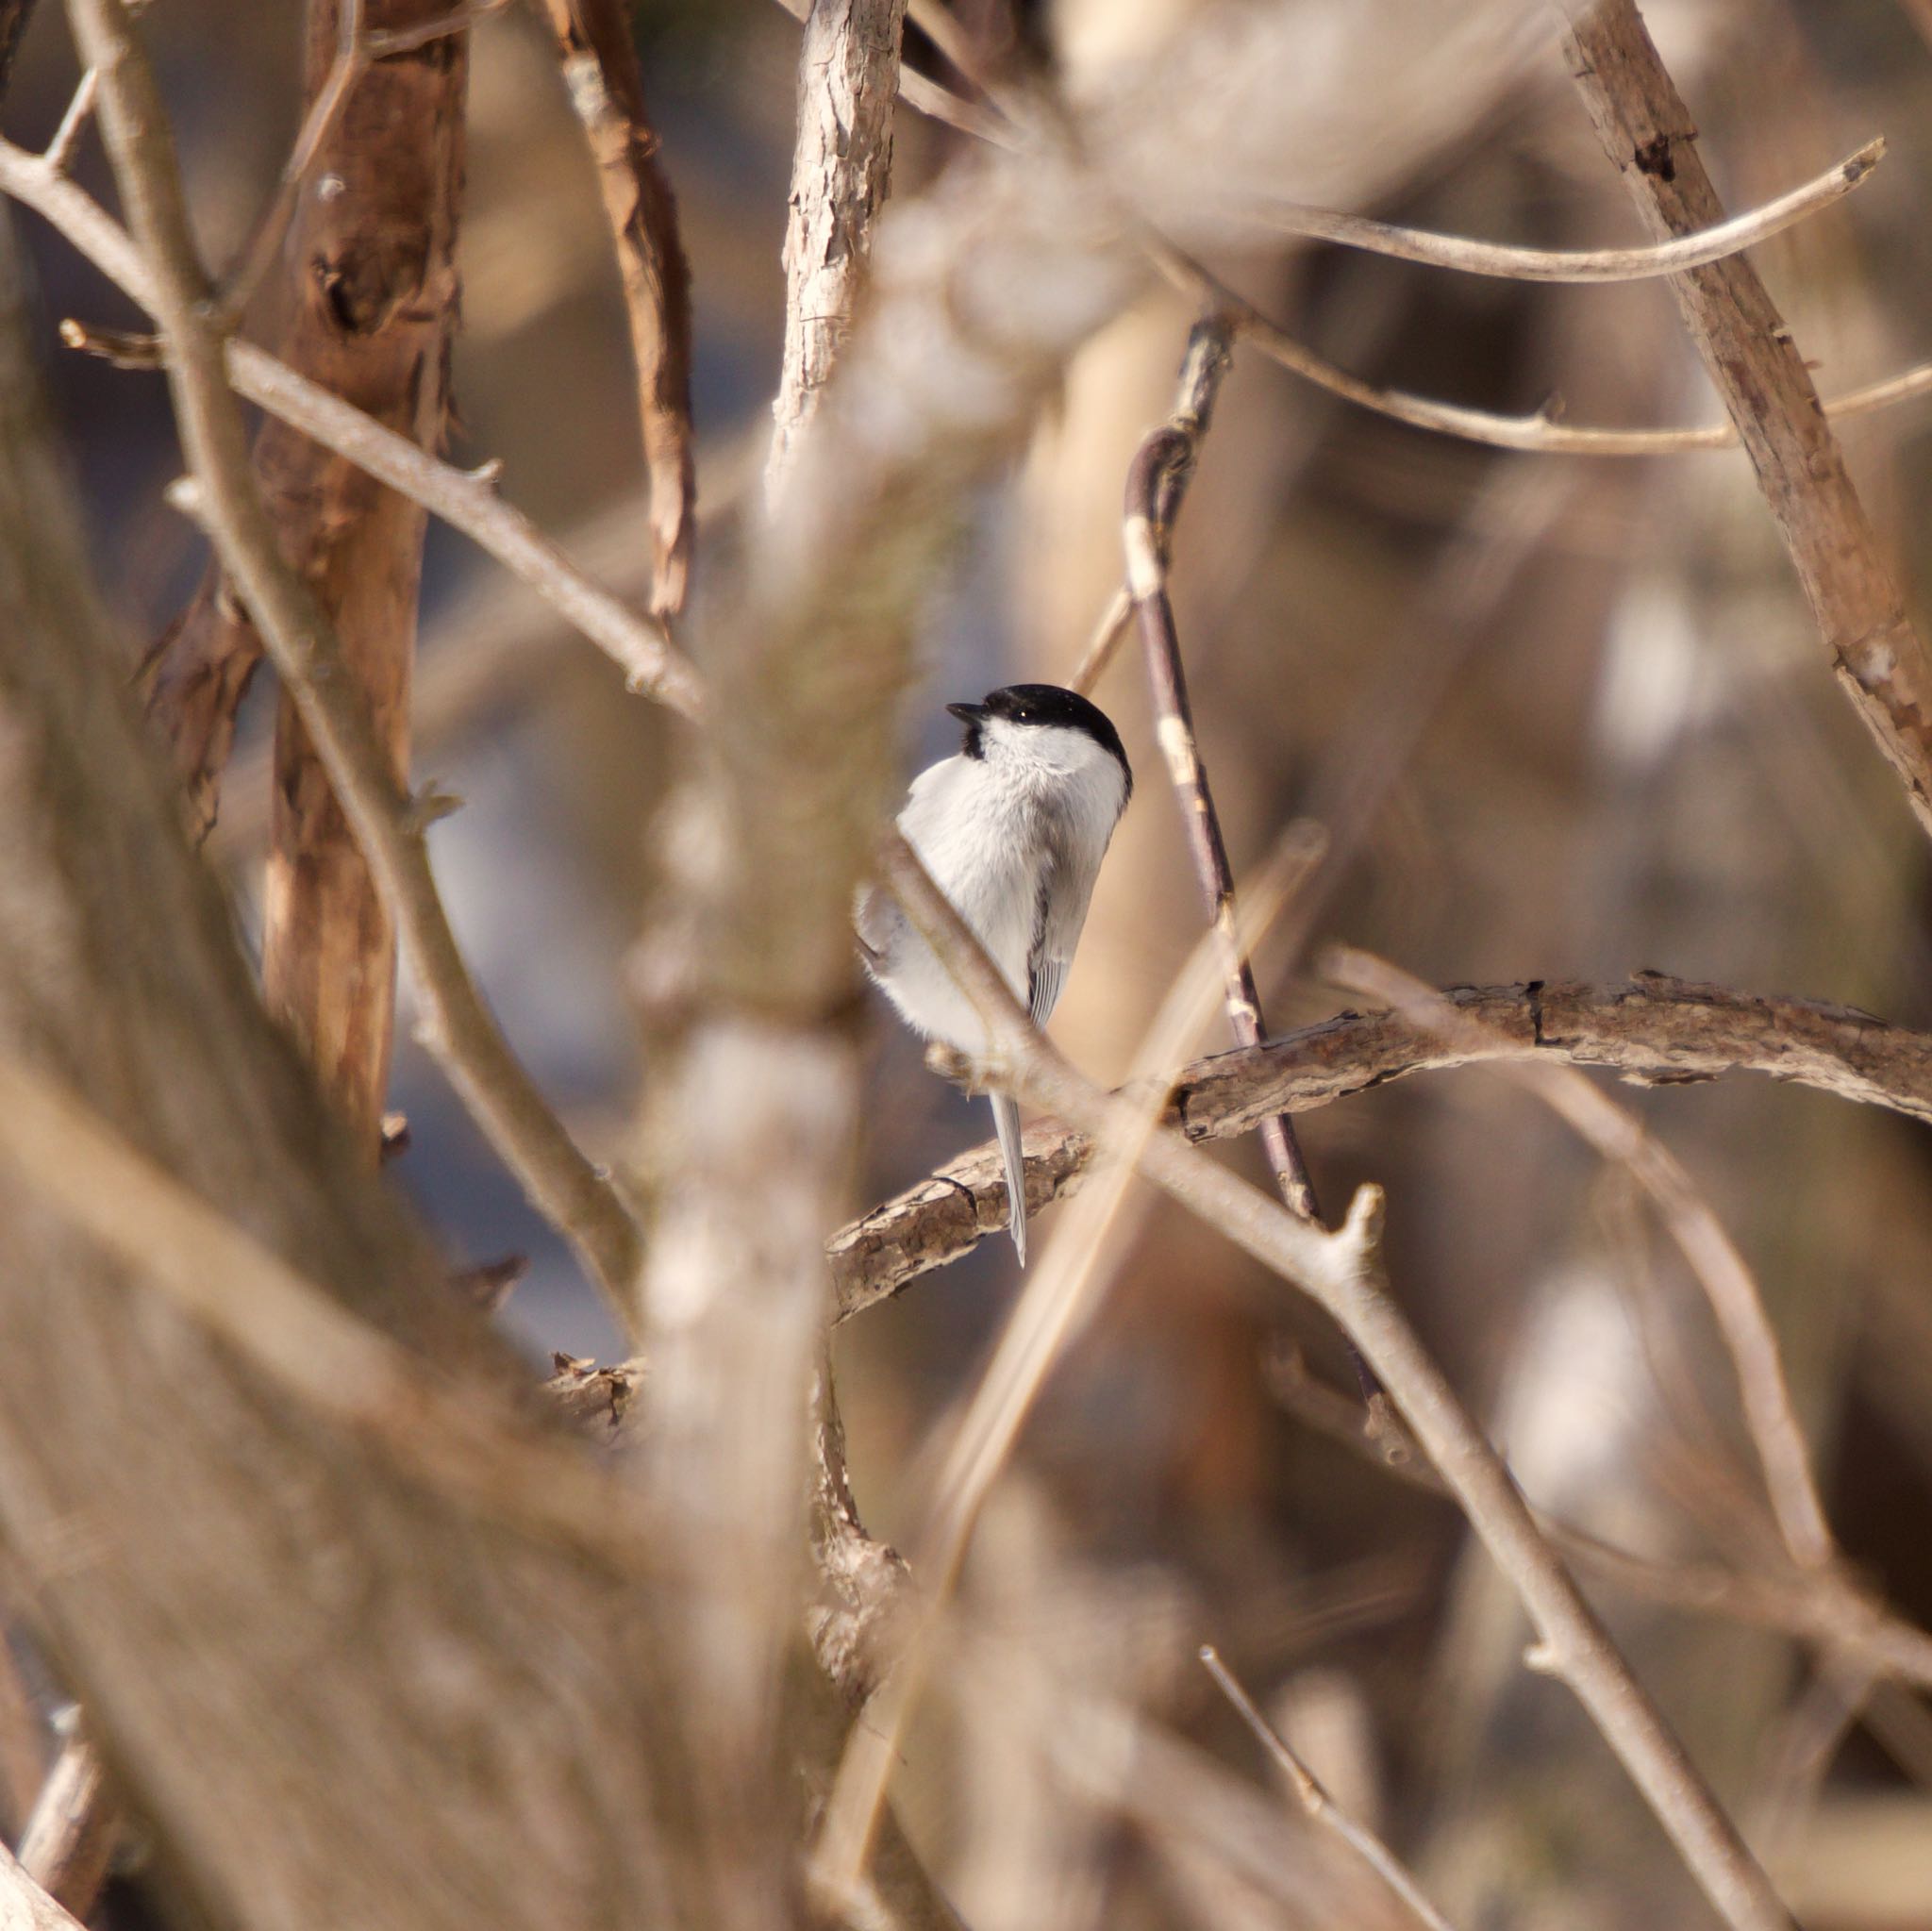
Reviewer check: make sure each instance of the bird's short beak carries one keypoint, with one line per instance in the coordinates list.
(969, 713)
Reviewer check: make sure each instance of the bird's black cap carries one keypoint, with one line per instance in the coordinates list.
(1043, 704)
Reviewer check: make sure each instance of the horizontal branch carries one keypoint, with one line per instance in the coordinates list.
(1656, 1031)
(1540, 433)
(1511, 263)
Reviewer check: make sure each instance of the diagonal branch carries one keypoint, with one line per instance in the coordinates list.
(607, 89)
(465, 499)
(1343, 1273)
(1760, 373)
(457, 1027)
(1655, 1031)
(1735, 1299)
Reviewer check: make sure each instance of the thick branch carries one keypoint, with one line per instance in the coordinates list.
(848, 81)
(374, 320)
(457, 1027)
(607, 89)
(1656, 1031)
(1761, 375)
(24, 1906)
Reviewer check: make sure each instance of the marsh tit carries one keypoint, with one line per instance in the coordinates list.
(1013, 830)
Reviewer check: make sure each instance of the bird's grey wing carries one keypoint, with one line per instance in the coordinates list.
(1060, 910)
(877, 921)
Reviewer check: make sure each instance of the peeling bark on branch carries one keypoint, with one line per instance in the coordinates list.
(1760, 373)
(1656, 1031)
(607, 89)
(374, 246)
(848, 82)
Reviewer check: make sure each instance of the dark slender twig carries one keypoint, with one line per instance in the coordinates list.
(1156, 480)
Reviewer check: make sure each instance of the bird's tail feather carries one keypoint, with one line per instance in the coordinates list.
(1006, 1119)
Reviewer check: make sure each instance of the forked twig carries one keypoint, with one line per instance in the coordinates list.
(1541, 433)
(466, 500)
(1320, 1806)
(1617, 1135)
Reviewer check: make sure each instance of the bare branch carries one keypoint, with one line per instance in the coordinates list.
(848, 73)
(1583, 264)
(1540, 434)
(1316, 1802)
(457, 1027)
(1655, 1031)
(24, 1906)
(1342, 1273)
(607, 89)
(69, 1839)
(467, 501)
(1760, 373)
(1157, 481)
(1617, 1135)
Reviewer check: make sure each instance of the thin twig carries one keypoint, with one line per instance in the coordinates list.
(456, 1028)
(1320, 1806)
(848, 71)
(1541, 433)
(1826, 1609)
(467, 500)
(606, 90)
(69, 1840)
(1653, 1030)
(1760, 373)
(1157, 481)
(1579, 264)
(58, 152)
(1342, 1272)
(1729, 1284)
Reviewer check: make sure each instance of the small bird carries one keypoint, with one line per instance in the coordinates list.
(1012, 830)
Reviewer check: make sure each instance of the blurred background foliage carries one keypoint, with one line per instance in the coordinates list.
(1597, 733)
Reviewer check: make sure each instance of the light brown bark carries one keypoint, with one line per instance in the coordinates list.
(1760, 373)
